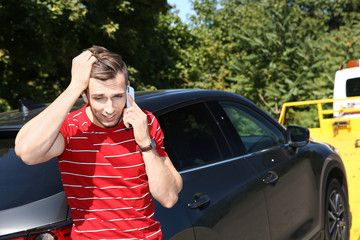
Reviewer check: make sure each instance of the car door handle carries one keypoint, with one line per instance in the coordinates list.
(271, 177)
(199, 201)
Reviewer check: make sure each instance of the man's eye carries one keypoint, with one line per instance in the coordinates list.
(117, 97)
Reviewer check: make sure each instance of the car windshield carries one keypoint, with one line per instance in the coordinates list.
(21, 184)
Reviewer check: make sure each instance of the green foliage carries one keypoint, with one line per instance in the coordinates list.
(4, 105)
(245, 126)
(212, 47)
(284, 58)
(39, 38)
(174, 38)
(306, 116)
(279, 59)
(272, 51)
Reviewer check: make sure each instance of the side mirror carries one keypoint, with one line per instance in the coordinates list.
(297, 136)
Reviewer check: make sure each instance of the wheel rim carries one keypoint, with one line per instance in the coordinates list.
(336, 216)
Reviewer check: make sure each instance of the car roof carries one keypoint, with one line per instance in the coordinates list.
(154, 101)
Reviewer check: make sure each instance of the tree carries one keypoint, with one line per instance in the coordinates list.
(38, 40)
(211, 47)
(279, 60)
(284, 56)
(268, 50)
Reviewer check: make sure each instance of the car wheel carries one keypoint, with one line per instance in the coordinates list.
(336, 212)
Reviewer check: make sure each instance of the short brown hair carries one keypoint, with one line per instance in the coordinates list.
(108, 64)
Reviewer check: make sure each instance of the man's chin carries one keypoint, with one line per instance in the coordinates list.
(109, 125)
(104, 123)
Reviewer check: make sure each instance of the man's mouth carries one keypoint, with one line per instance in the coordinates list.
(110, 118)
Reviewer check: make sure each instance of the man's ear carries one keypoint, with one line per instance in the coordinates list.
(84, 96)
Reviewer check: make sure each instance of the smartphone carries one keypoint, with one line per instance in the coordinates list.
(129, 91)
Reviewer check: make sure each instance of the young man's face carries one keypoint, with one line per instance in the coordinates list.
(106, 100)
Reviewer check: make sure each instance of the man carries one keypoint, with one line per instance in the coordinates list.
(105, 151)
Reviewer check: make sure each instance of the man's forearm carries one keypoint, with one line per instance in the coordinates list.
(164, 181)
(37, 137)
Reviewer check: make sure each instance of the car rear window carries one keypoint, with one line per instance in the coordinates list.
(20, 183)
(353, 87)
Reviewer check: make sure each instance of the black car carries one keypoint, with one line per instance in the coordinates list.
(245, 176)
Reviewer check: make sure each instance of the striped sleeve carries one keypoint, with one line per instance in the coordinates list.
(64, 130)
(157, 134)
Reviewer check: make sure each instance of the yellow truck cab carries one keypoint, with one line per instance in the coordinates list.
(337, 122)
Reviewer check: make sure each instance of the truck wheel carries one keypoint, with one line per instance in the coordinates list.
(336, 212)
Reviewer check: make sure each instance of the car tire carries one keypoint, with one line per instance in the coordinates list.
(337, 225)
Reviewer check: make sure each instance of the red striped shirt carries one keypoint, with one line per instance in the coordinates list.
(105, 182)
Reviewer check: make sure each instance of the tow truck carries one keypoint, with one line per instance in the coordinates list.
(337, 123)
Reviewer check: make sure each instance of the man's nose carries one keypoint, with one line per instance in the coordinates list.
(109, 108)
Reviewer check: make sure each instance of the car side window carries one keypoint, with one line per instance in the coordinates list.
(255, 131)
(192, 137)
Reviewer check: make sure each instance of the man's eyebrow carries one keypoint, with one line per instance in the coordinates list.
(101, 94)
(97, 95)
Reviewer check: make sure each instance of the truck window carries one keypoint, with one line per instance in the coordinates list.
(353, 87)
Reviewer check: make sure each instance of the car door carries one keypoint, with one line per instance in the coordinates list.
(221, 194)
(286, 174)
